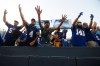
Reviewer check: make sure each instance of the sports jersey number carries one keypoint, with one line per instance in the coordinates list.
(80, 32)
(31, 34)
(10, 30)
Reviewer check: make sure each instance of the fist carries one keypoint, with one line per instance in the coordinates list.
(91, 16)
(5, 12)
(81, 13)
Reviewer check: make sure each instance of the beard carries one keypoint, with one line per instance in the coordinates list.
(33, 24)
(79, 27)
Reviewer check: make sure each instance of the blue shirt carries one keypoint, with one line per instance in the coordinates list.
(32, 32)
(64, 33)
(8, 35)
(23, 36)
(78, 37)
(89, 35)
(98, 32)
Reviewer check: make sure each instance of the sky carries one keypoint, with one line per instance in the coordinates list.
(52, 9)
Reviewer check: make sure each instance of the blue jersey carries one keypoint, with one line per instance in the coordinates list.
(8, 35)
(32, 32)
(23, 36)
(98, 32)
(78, 37)
(64, 33)
(89, 35)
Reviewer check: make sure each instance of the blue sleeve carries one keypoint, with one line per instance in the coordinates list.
(37, 31)
(27, 25)
(73, 28)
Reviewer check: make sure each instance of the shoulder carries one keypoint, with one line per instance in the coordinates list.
(51, 29)
(8, 24)
(36, 28)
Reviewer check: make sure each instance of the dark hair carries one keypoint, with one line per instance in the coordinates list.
(46, 22)
(16, 21)
(33, 19)
(79, 22)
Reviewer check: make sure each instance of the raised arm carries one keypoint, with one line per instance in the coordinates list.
(91, 21)
(4, 17)
(39, 11)
(22, 16)
(62, 20)
(75, 21)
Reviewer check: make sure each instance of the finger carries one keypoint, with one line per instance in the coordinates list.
(36, 8)
(39, 7)
(19, 5)
(65, 16)
(41, 11)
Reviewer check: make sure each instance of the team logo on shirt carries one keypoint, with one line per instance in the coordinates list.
(80, 32)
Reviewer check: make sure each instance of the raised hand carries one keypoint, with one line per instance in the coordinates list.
(38, 10)
(5, 11)
(62, 20)
(81, 13)
(91, 16)
(4, 16)
(64, 17)
(19, 7)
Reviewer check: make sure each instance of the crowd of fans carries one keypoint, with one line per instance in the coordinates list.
(82, 34)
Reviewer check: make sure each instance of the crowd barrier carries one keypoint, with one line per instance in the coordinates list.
(49, 56)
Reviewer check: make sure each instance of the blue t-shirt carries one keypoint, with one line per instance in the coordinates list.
(8, 35)
(32, 32)
(78, 37)
(98, 32)
(89, 35)
(64, 33)
(23, 36)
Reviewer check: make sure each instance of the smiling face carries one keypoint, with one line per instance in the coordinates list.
(85, 24)
(47, 24)
(33, 22)
(79, 24)
(16, 23)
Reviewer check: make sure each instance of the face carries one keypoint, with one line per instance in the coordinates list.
(15, 23)
(79, 24)
(47, 25)
(85, 24)
(33, 22)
